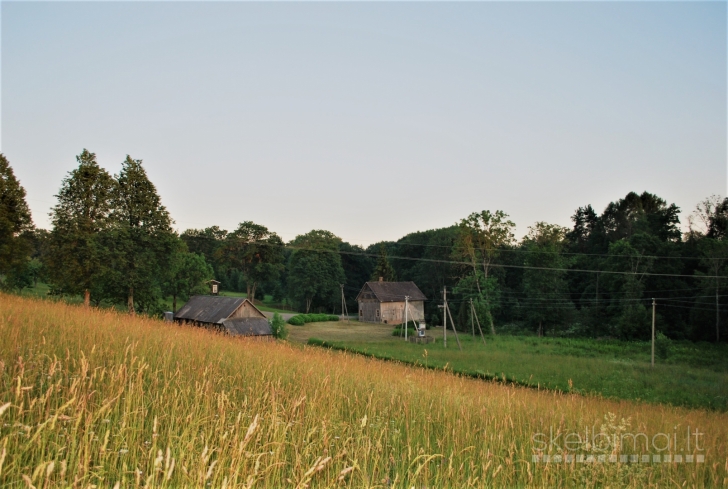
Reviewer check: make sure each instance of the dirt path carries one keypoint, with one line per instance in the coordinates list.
(284, 315)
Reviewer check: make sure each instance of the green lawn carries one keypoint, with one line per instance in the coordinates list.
(695, 375)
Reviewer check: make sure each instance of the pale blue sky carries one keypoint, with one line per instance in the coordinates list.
(371, 120)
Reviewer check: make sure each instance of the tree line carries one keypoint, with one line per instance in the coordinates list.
(112, 243)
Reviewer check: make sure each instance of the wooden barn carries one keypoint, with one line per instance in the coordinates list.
(236, 315)
(383, 302)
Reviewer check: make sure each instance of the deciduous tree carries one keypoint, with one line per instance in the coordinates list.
(481, 238)
(314, 269)
(255, 251)
(546, 301)
(188, 274)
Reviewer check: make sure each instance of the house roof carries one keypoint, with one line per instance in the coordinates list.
(394, 291)
(248, 326)
(209, 308)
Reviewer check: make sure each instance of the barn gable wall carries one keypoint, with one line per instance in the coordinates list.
(247, 310)
(368, 311)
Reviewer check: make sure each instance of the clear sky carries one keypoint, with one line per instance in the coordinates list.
(371, 120)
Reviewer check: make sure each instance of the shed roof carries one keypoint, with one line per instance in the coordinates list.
(209, 308)
(394, 291)
(248, 326)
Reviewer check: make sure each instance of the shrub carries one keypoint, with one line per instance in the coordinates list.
(278, 326)
(398, 331)
(415, 324)
(296, 320)
(301, 319)
(663, 346)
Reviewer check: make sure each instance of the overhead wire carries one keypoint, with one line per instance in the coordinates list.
(493, 265)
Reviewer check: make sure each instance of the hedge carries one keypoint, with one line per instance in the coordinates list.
(400, 332)
(301, 319)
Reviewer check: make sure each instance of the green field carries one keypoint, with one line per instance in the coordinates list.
(694, 375)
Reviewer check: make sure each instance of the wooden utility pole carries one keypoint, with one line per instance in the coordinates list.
(444, 316)
(473, 313)
(406, 304)
(447, 309)
(472, 321)
(344, 310)
(717, 312)
(653, 331)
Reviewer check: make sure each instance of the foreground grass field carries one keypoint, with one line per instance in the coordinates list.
(98, 398)
(693, 376)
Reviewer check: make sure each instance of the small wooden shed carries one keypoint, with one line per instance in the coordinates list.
(236, 315)
(384, 302)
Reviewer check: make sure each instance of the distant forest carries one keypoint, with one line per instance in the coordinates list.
(112, 243)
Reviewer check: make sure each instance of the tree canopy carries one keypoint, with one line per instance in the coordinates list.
(142, 238)
(314, 270)
(15, 220)
(79, 256)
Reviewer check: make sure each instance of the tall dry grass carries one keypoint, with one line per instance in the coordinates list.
(97, 398)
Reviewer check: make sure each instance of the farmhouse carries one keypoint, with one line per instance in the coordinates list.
(236, 315)
(384, 302)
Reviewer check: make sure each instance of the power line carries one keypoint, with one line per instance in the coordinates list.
(499, 265)
(463, 263)
(507, 250)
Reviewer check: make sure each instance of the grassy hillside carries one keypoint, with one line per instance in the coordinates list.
(695, 375)
(96, 397)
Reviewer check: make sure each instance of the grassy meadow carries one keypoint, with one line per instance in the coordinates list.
(694, 375)
(97, 398)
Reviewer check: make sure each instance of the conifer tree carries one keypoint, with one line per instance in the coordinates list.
(384, 269)
(14, 220)
(77, 256)
(143, 240)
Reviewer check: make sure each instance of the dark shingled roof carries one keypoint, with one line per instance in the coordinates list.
(394, 291)
(248, 326)
(209, 308)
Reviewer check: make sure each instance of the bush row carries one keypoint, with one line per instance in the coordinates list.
(398, 331)
(301, 319)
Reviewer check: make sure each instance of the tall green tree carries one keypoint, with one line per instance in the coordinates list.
(14, 221)
(425, 257)
(644, 213)
(482, 237)
(78, 257)
(206, 242)
(187, 276)
(546, 302)
(255, 252)
(143, 240)
(383, 269)
(357, 268)
(714, 260)
(634, 257)
(314, 269)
